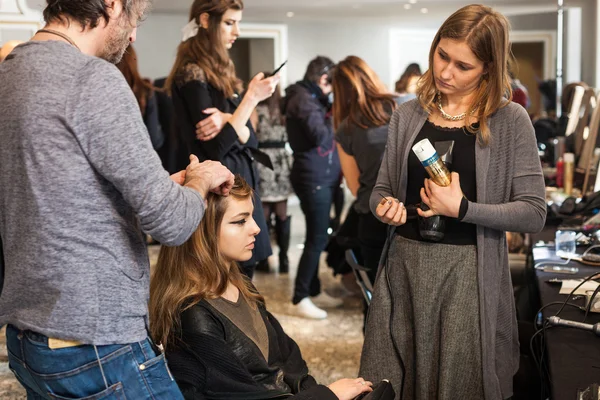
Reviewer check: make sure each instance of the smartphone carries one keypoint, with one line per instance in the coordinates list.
(278, 69)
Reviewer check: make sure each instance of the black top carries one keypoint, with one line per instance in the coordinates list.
(310, 134)
(151, 120)
(366, 145)
(463, 163)
(173, 156)
(191, 94)
(216, 360)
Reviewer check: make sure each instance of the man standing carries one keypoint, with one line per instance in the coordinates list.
(315, 175)
(79, 183)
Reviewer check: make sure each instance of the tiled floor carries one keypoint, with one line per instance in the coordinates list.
(330, 347)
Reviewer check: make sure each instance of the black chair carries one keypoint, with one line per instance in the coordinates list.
(360, 273)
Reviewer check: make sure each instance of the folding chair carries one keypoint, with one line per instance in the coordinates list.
(360, 273)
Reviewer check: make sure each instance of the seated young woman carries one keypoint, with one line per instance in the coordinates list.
(220, 340)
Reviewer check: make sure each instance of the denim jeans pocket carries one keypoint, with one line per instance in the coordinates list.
(159, 380)
(156, 373)
(114, 392)
(66, 380)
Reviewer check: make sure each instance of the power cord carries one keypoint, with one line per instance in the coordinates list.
(589, 278)
(540, 365)
(590, 302)
(542, 263)
(396, 347)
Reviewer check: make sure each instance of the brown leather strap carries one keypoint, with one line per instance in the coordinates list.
(60, 34)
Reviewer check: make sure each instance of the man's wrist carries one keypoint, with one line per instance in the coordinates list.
(198, 186)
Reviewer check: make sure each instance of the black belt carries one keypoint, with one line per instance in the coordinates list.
(259, 156)
(271, 145)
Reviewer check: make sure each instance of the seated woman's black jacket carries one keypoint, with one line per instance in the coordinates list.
(216, 360)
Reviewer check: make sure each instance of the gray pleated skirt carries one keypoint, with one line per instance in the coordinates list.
(423, 326)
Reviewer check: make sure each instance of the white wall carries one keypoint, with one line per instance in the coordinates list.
(156, 44)
(262, 56)
(572, 58)
(337, 40)
(159, 36)
(589, 49)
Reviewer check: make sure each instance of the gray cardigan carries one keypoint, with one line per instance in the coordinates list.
(510, 197)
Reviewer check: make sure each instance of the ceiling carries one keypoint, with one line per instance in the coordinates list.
(323, 10)
(277, 10)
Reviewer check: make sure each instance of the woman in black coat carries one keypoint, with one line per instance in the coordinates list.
(213, 120)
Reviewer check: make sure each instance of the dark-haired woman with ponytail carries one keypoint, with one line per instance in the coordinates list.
(212, 117)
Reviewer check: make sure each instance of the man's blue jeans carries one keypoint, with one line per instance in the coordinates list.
(130, 371)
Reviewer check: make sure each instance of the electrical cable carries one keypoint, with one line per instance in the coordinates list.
(543, 353)
(539, 363)
(591, 301)
(589, 278)
(542, 263)
(533, 354)
(402, 366)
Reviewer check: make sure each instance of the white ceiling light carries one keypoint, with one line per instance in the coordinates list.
(424, 10)
(412, 1)
(407, 6)
(290, 14)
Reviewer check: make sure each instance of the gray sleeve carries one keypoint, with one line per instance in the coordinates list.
(389, 164)
(526, 210)
(105, 119)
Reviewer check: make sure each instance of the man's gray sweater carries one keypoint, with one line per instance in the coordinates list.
(79, 182)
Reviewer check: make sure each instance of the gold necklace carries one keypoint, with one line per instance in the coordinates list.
(447, 116)
(60, 34)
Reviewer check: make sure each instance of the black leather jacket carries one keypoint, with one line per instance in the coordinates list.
(216, 360)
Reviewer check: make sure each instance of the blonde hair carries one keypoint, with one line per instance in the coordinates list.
(184, 275)
(485, 31)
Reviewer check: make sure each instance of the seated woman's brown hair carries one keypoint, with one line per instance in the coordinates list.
(196, 270)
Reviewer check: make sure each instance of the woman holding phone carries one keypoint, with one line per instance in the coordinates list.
(213, 118)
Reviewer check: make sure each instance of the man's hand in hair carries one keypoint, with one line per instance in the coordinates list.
(208, 176)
